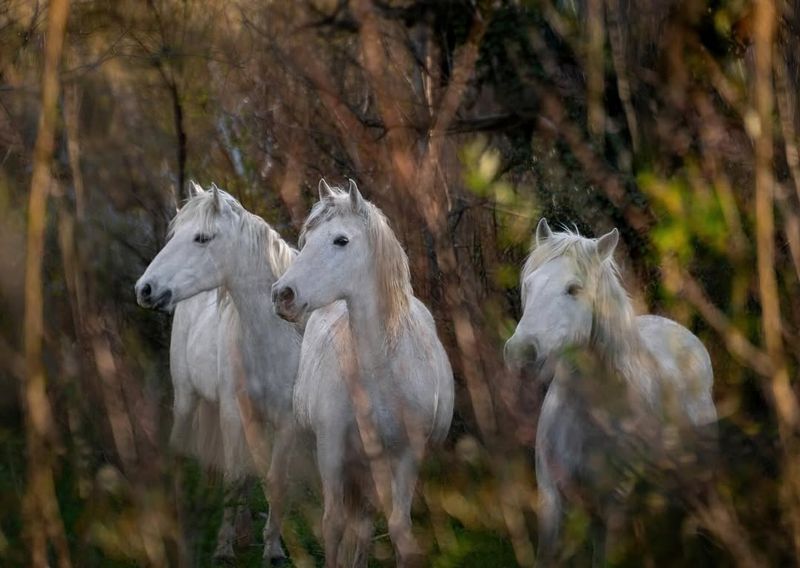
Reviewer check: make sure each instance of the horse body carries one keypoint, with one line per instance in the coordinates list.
(622, 388)
(214, 244)
(374, 383)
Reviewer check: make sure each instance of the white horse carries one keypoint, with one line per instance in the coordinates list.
(216, 243)
(375, 384)
(621, 386)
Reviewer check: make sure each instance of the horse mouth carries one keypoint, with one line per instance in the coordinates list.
(162, 302)
(291, 313)
(538, 369)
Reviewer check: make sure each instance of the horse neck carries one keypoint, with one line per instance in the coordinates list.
(250, 282)
(268, 344)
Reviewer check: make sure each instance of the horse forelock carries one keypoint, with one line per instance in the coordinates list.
(201, 209)
(391, 262)
(583, 251)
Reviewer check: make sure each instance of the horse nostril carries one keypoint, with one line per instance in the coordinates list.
(531, 353)
(519, 352)
(286, 295)
(146, 291)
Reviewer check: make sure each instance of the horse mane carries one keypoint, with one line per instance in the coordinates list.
(260, 236)
(615, 335)
(391, 262)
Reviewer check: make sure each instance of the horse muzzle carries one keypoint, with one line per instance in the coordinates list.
(520, 352)
(524, 359)
(284, 302)
(148, 296)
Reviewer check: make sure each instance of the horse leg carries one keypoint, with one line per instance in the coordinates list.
(276, 493)
(331, 470)
(243, 524)
(359, 516)
(235, 494)
(363, 528)
(404, 479)
(183, 407)
(549, 521)
(235, 486)
(599, 536)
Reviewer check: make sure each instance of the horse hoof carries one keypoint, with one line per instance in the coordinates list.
(275, 561)
(274, 554)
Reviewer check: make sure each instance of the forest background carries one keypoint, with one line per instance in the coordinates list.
(465, 121)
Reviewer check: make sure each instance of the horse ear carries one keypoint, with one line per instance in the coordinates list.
(543, 231)
(217, 198)
(325, 190)
(195, 189)
(607, 243)
(355, 196)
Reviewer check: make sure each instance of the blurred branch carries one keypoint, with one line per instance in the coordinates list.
(787, 121)
(171, 83)
(719, 517)
(619, 58)
(786, 403)
(42, 516)
(595, 70)
(783, 396)
(354, 135)
(686, 285)
(791, 228)
(554, 118)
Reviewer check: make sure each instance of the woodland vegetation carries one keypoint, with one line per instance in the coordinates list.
(465, 121)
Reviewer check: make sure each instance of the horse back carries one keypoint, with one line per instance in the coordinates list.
(685, 366)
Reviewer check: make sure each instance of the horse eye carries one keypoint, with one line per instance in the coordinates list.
(574, 289)
(202, 238)
(341, 241)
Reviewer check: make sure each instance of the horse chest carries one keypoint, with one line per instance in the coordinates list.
(580, 453)
(387, 407)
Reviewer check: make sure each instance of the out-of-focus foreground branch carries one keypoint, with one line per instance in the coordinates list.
(42, 516)
(784, 398)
